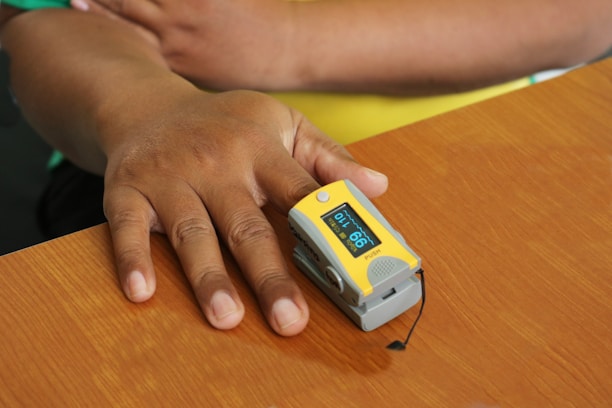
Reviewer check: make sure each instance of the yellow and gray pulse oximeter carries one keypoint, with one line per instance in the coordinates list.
(350, 251)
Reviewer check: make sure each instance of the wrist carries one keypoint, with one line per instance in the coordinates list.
(316, 45)
(276, 49)
(128, 116)
(298, 38)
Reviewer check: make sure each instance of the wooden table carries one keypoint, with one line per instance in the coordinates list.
(509, 203)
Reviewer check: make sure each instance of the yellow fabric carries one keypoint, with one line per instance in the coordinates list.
(349, 118)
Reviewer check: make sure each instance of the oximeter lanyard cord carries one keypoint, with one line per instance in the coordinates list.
(401, 345)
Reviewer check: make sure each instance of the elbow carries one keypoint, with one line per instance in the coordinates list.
(588, 42)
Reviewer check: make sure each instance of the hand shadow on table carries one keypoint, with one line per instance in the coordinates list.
(330, 338)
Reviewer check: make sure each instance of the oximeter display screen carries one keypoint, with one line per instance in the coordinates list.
(354, 234)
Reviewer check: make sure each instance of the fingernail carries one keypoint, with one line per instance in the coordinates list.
(286, 313)
(137, 286)
(375, 173)
(79, 5)
(223, 305)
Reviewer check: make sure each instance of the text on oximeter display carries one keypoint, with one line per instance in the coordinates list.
(350, 230)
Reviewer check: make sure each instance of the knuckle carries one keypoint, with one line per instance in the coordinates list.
(206, 277)
(248, 229)
(300, 188)
(271, 281)
(334, 147)
(129, 257)
(123, 218)
(191, 229)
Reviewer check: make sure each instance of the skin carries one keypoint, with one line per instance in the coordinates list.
(386, 46)
(195, 166)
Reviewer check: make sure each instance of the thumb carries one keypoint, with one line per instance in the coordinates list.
(327, 161)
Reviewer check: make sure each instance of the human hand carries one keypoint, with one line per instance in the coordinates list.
(242, 44)
(198, 168)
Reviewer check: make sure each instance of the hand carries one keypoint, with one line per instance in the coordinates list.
(199, 168)
(242, 44)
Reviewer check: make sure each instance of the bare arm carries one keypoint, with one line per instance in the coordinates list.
(71, 81)
(424, 45)
(195, 166)
(395, 46)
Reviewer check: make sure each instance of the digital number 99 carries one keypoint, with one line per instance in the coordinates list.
(358, 239)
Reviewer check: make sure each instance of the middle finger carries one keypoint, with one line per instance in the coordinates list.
(254, 244)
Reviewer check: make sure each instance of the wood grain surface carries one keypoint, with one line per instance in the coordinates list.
(509, 203)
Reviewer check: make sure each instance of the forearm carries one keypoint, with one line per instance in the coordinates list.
(430, 46)
(75, 75)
